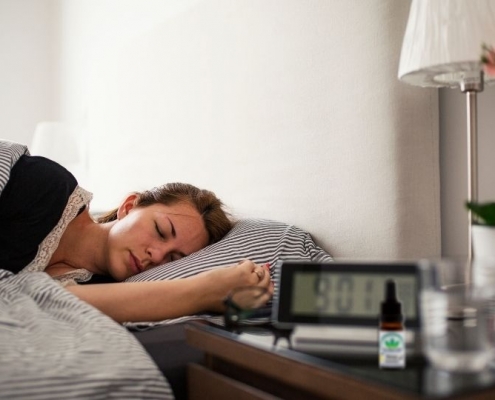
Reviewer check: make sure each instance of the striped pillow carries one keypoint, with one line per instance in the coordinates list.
(261, 241)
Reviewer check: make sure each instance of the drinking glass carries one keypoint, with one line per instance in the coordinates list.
(456, 328)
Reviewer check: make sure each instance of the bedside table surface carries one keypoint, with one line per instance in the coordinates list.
(327, 376)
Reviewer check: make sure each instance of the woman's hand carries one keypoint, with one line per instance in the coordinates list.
(219, 282)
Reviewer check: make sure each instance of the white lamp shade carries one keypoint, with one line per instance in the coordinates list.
(56, 141)
(443, 41)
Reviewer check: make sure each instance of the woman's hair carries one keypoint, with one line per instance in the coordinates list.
(217, 221)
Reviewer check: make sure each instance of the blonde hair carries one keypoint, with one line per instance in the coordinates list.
(217, 220)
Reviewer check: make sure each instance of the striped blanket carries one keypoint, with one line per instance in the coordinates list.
(55, 346)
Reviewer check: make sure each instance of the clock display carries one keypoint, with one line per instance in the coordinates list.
(343, 293)
(349, 294)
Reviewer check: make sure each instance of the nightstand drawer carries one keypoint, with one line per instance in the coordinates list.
(206, 384)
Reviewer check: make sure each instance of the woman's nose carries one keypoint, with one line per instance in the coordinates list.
(158, 253)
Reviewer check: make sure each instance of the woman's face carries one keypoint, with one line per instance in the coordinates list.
(144, 237)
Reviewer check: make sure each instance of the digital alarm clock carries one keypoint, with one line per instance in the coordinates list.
(335, 306)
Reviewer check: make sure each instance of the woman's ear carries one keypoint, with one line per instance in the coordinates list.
(126, 206)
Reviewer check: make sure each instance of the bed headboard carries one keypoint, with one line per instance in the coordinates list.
(287, 109)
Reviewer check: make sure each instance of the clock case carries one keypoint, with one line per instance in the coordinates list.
(344, 335)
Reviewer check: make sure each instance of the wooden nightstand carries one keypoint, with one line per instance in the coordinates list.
(240, 366)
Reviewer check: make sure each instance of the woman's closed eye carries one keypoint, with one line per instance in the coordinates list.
(159, 231)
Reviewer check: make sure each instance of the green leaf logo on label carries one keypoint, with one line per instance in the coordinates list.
(392, 341)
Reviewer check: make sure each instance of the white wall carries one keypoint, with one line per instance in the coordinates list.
(29, 54)
(90, 29)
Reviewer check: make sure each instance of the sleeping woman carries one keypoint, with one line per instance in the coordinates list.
(45, 225)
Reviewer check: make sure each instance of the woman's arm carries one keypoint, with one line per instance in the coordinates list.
(158, 300)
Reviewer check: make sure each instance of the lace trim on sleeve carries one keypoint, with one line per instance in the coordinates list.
(79, 198)
(73, 277)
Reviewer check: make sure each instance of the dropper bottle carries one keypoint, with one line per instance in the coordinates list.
(391, 337)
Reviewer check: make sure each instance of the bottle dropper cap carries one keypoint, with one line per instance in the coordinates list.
(391, 307)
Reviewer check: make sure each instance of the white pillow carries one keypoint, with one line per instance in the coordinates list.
(261, 241)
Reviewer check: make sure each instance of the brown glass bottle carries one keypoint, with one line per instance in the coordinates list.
(391, 336)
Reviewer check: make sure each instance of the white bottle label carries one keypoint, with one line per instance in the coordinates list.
(392, 349)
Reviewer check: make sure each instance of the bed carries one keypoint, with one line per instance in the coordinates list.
(346, 168)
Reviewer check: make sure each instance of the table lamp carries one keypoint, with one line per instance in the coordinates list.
(442, 47)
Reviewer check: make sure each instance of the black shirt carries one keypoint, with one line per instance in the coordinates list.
(31, 204)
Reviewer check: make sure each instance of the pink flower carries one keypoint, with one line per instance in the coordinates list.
(488, 59)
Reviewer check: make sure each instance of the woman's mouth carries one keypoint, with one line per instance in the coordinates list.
(136, 266)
